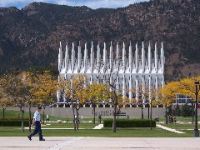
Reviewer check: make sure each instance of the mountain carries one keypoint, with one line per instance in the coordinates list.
(30, 37)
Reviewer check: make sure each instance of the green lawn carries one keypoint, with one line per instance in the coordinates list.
(142, 132)
(134, 132)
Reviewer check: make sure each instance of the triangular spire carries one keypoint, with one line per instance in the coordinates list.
(73, 57)
(60, 57)
(149, 56)
(66, 57)
(79, 57)
(136, 57)
(111, 55)
(143, 57)
(130, 57)
(92, 56)
(156, 57)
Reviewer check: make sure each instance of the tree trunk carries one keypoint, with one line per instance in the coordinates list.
(3, 112)
(30, 117)
(193, 112)
(114, 126)
(22, 119)
(94, 110)
(151, 115)
(43, 115)
(166, 115)
(74, 118)
(77, 118)
(142, 112)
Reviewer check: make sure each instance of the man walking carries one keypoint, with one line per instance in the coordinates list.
(37, 123)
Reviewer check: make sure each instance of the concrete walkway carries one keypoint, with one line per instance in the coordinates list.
(169, 129)
(56, 128)
(95, 143)
(100, 126)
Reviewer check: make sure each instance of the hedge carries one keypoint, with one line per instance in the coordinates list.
(124, 123)
(13, 122)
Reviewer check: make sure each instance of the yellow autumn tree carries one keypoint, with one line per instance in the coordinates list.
(75, 91)
(97, 93)
(44, 91)
(187, 87)
(17, 92)
(169, 92)
(4, 100)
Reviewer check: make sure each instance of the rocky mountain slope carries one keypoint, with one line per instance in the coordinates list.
(30, 37)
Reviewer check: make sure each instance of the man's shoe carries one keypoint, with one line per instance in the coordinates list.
(29, 137)
(42, 139)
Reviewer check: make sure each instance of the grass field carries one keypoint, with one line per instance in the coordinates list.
(142, 132)
(88, 131)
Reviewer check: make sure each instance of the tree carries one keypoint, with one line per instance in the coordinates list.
(16, 92)
(44, 86)
(75, 91)
(117, 100)
(30, 88)
(184, 86)
(97, 92)
(187, 86)
(28, 78)
(4, 101)
(168, 93)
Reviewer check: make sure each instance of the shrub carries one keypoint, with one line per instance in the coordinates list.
(13, 122)
(187, 110)
(177, 111)
(124, 123)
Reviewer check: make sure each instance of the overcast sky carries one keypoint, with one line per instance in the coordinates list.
(90, 3)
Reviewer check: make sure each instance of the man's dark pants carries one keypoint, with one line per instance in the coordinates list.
(37, 130)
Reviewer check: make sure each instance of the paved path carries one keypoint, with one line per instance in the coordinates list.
(94, 143)
(57, 128)
(100, 126)
(169, 129)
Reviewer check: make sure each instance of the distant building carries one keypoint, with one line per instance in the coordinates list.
(182, 99)
(131, 67)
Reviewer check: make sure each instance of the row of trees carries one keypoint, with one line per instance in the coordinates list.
(184, 86)
(28, 89)
(31, 88)
(78, 93)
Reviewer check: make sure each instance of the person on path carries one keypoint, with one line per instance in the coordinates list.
(37, 123)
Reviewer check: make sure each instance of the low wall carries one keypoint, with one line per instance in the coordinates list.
(104, 112)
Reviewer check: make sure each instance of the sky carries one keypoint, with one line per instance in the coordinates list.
(90, 3)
